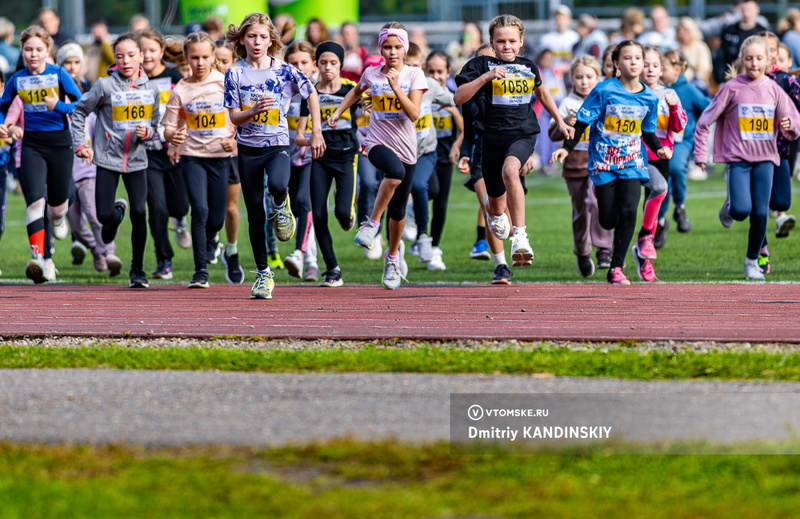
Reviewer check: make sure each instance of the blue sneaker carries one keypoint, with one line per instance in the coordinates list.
(480, 251)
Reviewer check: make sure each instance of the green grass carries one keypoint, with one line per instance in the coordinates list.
(709, 253)
(350, 479)
(616, 363)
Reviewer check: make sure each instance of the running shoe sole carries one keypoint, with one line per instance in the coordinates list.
(35, 272)
(114, 267)
(785, 229)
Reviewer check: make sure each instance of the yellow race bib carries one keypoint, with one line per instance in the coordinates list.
(132, 108)
(756, 122)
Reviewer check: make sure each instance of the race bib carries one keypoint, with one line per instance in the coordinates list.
(328, 104)
(624, 122)
(443, 122)
(129, 109)
(756, 122)
(33, 89)
(424, 122)
(265, 123)
(206, 118)
(583, 143)
(164, 86)
(516, 88)
(385, 105)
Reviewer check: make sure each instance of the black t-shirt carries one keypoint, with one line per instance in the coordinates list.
(344, 138)
(504, 105)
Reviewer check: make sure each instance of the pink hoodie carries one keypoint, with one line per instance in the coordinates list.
(748, 114)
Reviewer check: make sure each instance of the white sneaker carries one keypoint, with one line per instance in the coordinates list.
(35, 270)
(402, 259)
(410, 229)
(436, 262)
(294, 264)
(499, 225)
(366, 234)
(425, 248)
(752, 270)
(521, 252)
(784, 223)
(391, 274)
(695, 173)
(414, 249)
(376, 252)
(60, 228)
(50, 270)
(183, 237)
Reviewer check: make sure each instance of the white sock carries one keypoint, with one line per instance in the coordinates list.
(520, 230)
(500, 259)
(231, 249)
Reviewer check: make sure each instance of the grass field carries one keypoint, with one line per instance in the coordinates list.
(709, 253)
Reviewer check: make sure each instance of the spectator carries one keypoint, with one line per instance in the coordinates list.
(712, 27)
(418, 37)
(662, 34)
(561, 41)
(593, 40)
(471, 39)
(354, 53)
(214, 27)
(286, 26)
(139, 22)
(697, 53)
(631, 26)
(790, 36)
(8, 52)
(51, 23)
(316, 32)
(99, 55)
(733, 35)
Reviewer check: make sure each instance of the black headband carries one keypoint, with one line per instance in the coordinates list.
(331, 46)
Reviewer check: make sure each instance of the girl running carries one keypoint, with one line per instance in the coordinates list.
(746, 109)
(586, 229)
(391, 144)
(127, 108)
(206, 142)
(503, 86)
(258, 90)
(622, 115)
(46, 149)
(671, 120)
(339, 161)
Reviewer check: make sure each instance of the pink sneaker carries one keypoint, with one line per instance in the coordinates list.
(647, 250)
(617, 277)
(644, 267)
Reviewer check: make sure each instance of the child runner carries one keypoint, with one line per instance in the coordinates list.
(503, 87)
(391, 144)
(206, 142)
(449, 125)
(693, 101)
(339, 161)
(300, 55)
(671, 120)
(127, 108)
(621, 112)
(586, 229)
(746, 109)
(166, 190)
(234, 273)
(46, 148)
(258, 90)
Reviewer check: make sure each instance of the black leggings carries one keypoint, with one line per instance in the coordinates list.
(261, 168)
(439, 192)
(386, 160)
(104, 197)
(166, 196)
(617, 203)
(300, 198)
(207, 184)
(323, 173)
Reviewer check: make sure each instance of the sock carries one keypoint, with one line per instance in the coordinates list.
(392, 258)
(519, 230)
(662, 221)
(231, 249)
(500, 259)
(650, 213)
(481, 233)
(265, 271)
(373, 222)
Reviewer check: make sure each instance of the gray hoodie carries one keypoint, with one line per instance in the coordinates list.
(120, 105)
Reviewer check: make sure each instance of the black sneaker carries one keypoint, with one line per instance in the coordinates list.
(138, 279)
(660, 237)
(502, 275)
(234, 273)
(213, 249)
(163, 270)
(332, 278)
(109, 232)
(200, 279)
(684, 225)
(585, 266)
(603, 258)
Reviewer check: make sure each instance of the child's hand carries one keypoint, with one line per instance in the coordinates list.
(229, 145)
(51, 101)
(3, 131)
(463, 166)
(571, 120)
(786, 123)
(455, 155)
(495, 73)
(174, 154)
(671, 99)
(528, 166)
(664, 153)
(701, 165)
(179, 137)
(333, 120)
(15, 133)
(317, 144)
(558, 156)
(567, 130)
(141, 131)
(86, 154)
(393, 77)
(262, 105)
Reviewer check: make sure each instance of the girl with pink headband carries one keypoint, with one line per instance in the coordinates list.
(391, 144)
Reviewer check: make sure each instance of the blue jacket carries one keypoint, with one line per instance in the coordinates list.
(693, 102)
(33, 89)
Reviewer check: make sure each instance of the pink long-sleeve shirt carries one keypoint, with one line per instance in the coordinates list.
(671, 120)
(748, 114)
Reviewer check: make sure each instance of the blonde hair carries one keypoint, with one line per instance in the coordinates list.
(34, 31)
(198, 37)
(505, 20)
(676, 57)
(394, 25)
(790, 22)
(584, 60)
(753, 40)
(688, 23)
(235, 34)
(300, 46)
(787, 49)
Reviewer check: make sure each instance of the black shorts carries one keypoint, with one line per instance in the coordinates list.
(475, 174)
(233, 177)
(495, 150)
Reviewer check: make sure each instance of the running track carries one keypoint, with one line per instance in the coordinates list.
(731, 312)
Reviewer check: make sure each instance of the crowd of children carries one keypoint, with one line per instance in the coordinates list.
(283, 134)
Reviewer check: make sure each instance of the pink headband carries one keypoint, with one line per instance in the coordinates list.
(401, 35)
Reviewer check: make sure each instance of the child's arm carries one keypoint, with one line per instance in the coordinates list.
(9, 94)
(467, 91)
(549, 104)
(408, 103)
(143, 130)
(789, 117)
(88, 104)
(349, 100)
(677, 115)
(172, 114)
(300, 138)
(710, 115)
(458, 122)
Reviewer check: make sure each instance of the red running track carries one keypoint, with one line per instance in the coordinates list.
(733, 312)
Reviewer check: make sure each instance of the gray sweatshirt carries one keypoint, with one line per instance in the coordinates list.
(426, 133)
